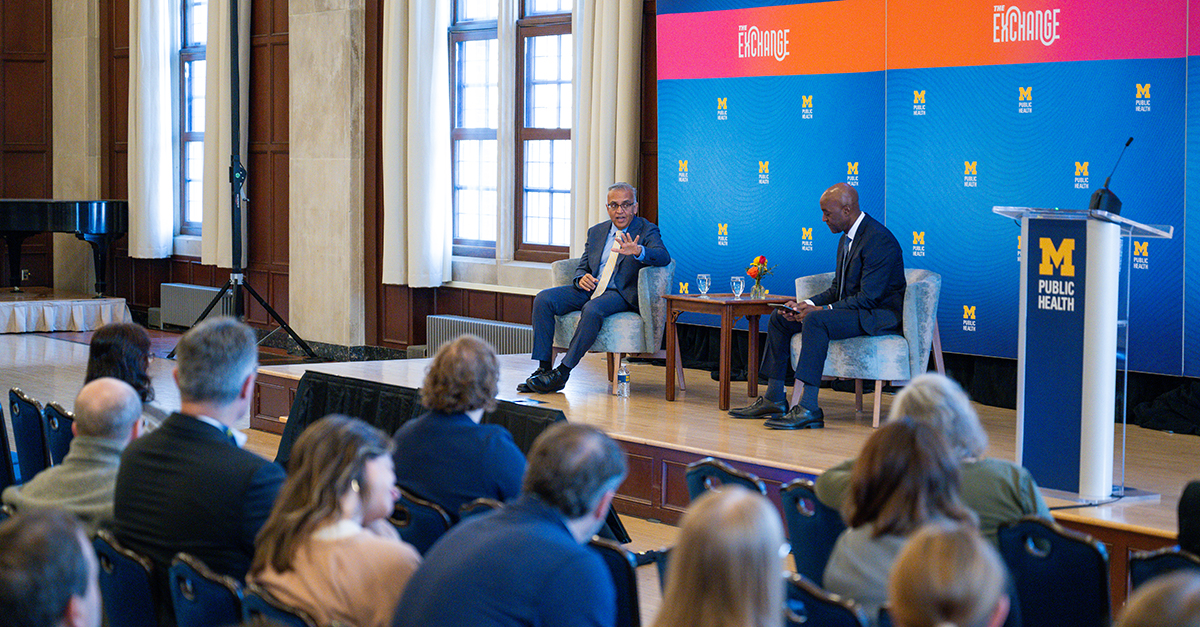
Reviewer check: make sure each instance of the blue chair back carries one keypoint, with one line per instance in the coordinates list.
(8, 458)
(1146, 565)
(481, 505)
(1061, 576)
(812, 527)
(622, 565)
(807, 604)
(126, 584)
(29, 441)
(711, 474)
(202, 598)
(56, 424)
(420, 522)
(257, 602)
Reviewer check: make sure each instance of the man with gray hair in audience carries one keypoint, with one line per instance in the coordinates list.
(526, 564)
(106, 412)
(188, 485)
(48, 572)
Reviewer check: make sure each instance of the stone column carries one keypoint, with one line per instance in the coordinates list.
(326, 250)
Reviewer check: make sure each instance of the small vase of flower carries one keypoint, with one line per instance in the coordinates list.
(757, 270)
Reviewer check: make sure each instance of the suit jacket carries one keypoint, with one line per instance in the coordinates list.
(874, 279)
(82, 484)
(186, 487)
(626, 272)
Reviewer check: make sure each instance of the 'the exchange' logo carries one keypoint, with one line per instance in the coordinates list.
(1056, 294)
(1011, 24)
(753, 42)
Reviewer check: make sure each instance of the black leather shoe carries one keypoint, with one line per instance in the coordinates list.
(523, 387)
(548, 382)
(759, 408)
(798, 418)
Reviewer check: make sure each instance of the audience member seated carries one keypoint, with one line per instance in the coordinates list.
(445, 455)
(106, 413)
(905, 477)
(122, 350)
(188, 485)
(526, 564)
(996, 490)
(948, 575)
(725, 569)
(1172, 600)
(1189, 518)
(327, 547)
(48, 572)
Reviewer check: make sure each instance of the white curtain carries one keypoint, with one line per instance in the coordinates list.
(607, 90)
(151, 183)
(417, 222)
(217, 238)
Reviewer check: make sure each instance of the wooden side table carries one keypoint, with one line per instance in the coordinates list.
(730, 309)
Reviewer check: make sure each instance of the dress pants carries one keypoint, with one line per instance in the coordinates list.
(564, 299)
(818, 328)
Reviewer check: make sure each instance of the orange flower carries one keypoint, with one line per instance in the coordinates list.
(760, 261)
(753, 272)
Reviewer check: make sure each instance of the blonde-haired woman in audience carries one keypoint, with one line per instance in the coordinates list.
(1171, 600)
(905, 477)
(948, 576)
(327, 547)
(726, 570)
(996, 490)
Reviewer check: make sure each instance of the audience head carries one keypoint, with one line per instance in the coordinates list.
(121, 350)
(215, 360)
(904, 477)
(464, 375)
(1171, 600)
(948, 575)
(48, 571)
(725, 569)
(575, 469)
(1189, 518)
(341, 468)
(107, 408)
(940, 402)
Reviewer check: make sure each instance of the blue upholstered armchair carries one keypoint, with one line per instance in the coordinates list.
(895, 358)
(626, 333)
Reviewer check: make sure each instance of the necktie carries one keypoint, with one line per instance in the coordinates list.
(843, 261)
(229, 435)
(609, 267)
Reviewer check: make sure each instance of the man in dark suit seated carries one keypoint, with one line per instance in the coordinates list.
(526, 564)
(188, 486)
(866, 298)
(605, 283)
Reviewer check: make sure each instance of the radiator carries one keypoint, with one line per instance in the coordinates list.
(508, 338)
(182, 303)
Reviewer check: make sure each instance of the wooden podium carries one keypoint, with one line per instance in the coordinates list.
(1067, 344)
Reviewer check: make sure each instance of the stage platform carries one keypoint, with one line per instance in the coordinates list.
(43, 309)
(661, 437)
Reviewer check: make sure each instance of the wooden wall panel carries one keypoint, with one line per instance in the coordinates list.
(481, 305)
(27, 174)
(26, 26)
(516, 308)
(26, 102)
(280, 171)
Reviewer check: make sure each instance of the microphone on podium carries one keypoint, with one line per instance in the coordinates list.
(1103, 199)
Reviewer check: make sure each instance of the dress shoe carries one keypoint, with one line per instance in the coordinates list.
(548, 382)
(523, 387)
(798, 418)
(759, 408)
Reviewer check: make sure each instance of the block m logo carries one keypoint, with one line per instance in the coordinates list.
(764, 167)
(1141, 249)
(683, 287)
(723, 103)
(1081, 168)
(918, 238)
(1143, 91)
(806, 233)
(969, 167)
(851, 168)
(683, 165)
(723, 229)
(919, 97)
(1026, 93)
(806, 102)
(968, 312)
(1061, 257)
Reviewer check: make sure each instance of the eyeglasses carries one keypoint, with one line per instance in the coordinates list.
(627, 205)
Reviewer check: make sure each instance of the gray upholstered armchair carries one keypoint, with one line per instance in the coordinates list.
(626, 333)
(895, 358)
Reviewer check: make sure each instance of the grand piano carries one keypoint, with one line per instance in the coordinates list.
(97, 222)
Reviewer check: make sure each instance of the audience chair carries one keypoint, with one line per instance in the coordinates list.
(812, 527)
(1061, 576)
(126, 584)
(481, 505)
(8, 458)
(806, 604)
(1146, 565)
(622, 565)
(711, 474)
(885, 618)
(895, 358)
(660, 559)
(6, 512)
(629, 332)
(420, 522)
(202, 598)
(257, 602)
(56, 424)
(28, 439)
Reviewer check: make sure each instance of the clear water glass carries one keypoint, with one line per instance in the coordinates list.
(738, 283)
(703, 281)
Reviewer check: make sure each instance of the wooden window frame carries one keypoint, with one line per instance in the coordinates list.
(187, 54)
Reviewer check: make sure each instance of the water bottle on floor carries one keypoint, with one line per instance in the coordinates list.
(623, 381)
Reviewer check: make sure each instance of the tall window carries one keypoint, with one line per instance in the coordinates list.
(541, 156)
(193, 32)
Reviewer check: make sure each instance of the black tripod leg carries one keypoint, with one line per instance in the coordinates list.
(275, 316)
(216, 299)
